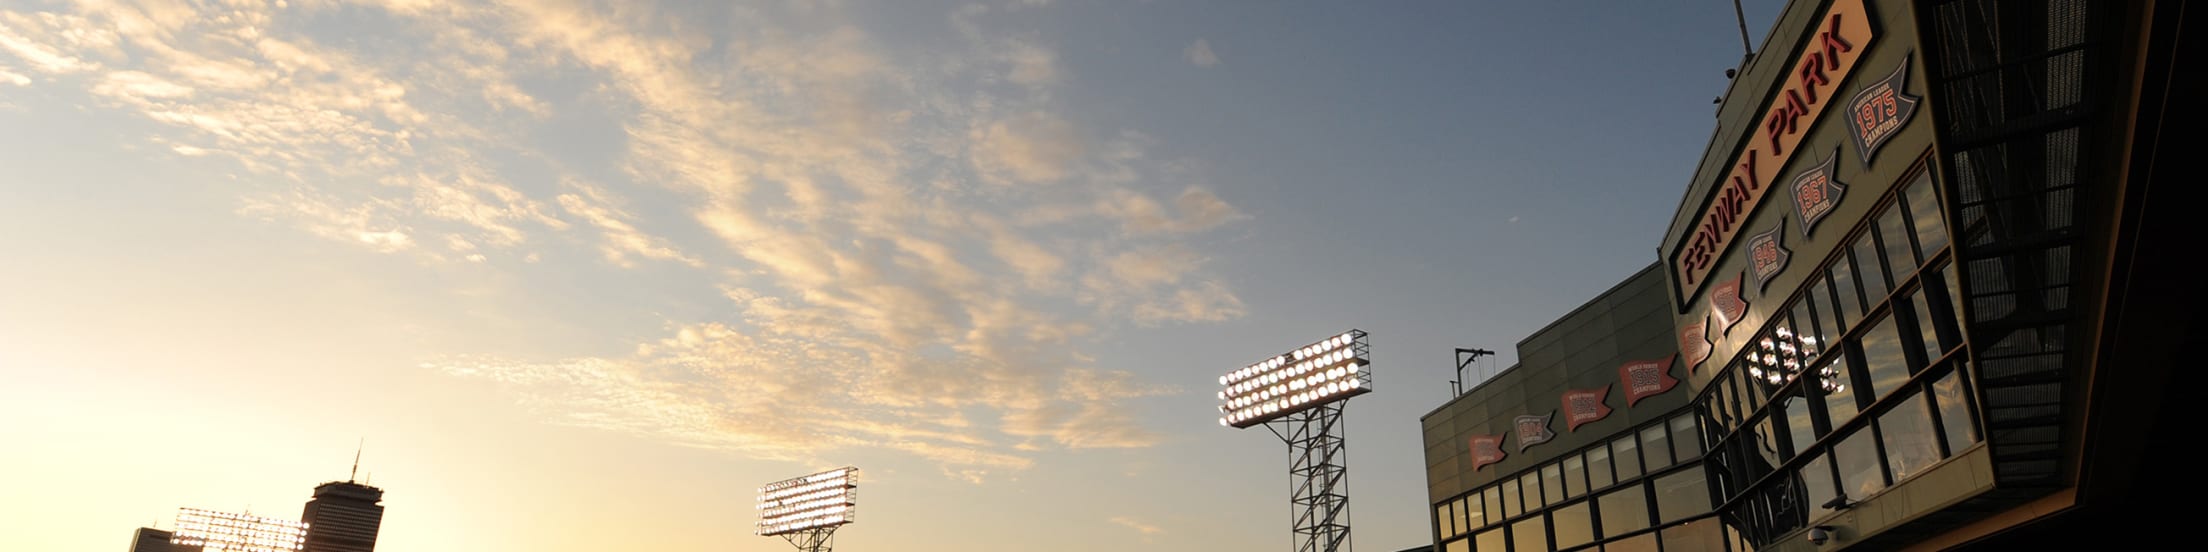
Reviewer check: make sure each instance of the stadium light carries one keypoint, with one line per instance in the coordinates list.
(1328, 370)
(214, 531)
(807, 510)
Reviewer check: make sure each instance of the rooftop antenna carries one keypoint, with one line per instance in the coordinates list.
(356, 460)
(1465, 358)
(1742, 19)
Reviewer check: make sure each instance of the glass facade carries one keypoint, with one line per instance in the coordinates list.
(1852, 386)
(1578, 501)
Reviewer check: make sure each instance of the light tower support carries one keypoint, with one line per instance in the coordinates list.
(1318, 477)
(819, 539)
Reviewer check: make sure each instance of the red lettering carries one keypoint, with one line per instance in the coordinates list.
(1832, 42)
(1749, 166)
(1813, 71)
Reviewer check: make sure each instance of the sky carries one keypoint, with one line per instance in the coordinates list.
(575, 275)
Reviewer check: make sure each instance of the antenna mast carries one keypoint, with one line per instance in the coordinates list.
(356, 460)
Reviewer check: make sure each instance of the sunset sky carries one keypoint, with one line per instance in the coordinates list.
(583, 275)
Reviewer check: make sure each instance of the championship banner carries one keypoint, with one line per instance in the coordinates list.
(1879, 111)
(1646, 378)
(1727, 303)
(1486, 449)
(1585, 406)
(1533, 430)
(1816, 191)
(1694, 341)
(1767, 255)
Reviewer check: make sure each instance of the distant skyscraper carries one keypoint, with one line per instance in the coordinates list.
(148, 539)
(343, 517)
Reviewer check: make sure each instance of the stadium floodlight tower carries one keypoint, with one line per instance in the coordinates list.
(214, 531)
(807, 510)
(1299, 396)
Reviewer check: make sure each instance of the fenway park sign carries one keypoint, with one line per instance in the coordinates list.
(1808, 86)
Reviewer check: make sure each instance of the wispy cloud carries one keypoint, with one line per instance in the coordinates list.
(921, 241)
(1147, 530)
(1200, 54)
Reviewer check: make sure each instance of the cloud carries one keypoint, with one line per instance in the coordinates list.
(925, 241)
(1513, 219)
(1031, 147)
(621, 240)
(1200, 54)
(1147, 530)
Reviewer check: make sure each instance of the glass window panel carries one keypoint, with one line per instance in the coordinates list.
(1686, 438)
(1641, 543)
(1598, 467)
(1462, 545)
(1954, 405)
(1627, 456)
(1574, 525)
(1464, 513)
(1724, 403)
(1800, 429)
(1751, 392)
(1924, 209)
(1529, 534)
(1893, 233)
(1838, 391)
(1491, 541)
(1816, 480)
(1911, 445)
(1445, 519)
(1849, 307)
(1552, 484)
(1867, 269)
(1656, 447)
(1475, 513)
(1682, 494)
(1623, 510)
(1766, 443)
(1939, 294)
(1857, 458)
(1493, 504)
(1510, 499)
(1698, 535)
(1575, 476)
(1783, 505)
(1883, 357)
(1530, 483)
(1806, 338)
(1929, 337)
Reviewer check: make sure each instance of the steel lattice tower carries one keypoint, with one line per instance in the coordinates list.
(1318, 476)
(813, 540)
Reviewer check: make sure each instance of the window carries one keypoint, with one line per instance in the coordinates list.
(1656, 448)
(1682, 494)
(1460, 545)
(1816, 480)
(1857, 456)
(1530, 482)
(1838, 390)
(1883, 357)
(1552, 484)
(1492, 540)
(1510, 499)
(1641, 543)
(1493, 503)
(1472, 512)
(1954, 405)
(1801, 432)
(1911, 445)
(1686, 438)
(1623, 511)
(1766, 442)
(1697, 535)
(1574, 524)
(1827, 328)
(1628, 457)
(1529, 534)
(1849, 305)
(1598, 467)
(1445, 520)
(1575, 476)
(1874, 281)
(1893, 233)
(1921, 307)
(1924, 210)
